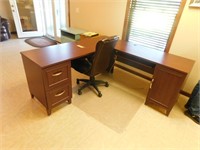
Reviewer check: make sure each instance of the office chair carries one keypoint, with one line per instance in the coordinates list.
(99, 62)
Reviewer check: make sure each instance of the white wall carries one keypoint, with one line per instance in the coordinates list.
(5, 12)
(103, 16)
(107, 17)
(186, 42)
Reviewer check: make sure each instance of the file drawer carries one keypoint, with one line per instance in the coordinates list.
(57, 74)
(51, 84)
(58, 95)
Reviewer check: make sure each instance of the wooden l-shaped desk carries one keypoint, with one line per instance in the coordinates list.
(48, 71)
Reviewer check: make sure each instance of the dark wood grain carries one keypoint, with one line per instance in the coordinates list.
(58, 53)
(169, 71)
(155, 56)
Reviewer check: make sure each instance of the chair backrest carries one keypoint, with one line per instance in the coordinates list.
(104, 55)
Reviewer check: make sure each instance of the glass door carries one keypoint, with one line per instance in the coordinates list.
(55, 14)
(27, 16)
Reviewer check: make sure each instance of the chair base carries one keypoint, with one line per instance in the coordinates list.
(91, 82)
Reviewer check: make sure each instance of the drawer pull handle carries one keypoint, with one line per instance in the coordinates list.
(57, 74)
(59, 94)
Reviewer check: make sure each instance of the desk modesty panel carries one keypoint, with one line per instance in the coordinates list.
(48, 71)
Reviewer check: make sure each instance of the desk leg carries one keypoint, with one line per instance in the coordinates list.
(48, 112)
(69, 101)
(32, 96)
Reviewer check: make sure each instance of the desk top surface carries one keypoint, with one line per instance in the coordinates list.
(51, 55)
(158, 57)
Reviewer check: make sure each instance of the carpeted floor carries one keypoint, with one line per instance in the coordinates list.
(40, 41)
(118, 120)
(118, 117)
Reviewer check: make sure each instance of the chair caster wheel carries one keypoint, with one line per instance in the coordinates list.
(106, 85)
(79, 92)
(99, 94)
(77, 81)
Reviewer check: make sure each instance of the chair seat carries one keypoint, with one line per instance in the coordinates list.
(85, 65)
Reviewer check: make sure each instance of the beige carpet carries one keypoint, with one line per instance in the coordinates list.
(113, 111)
(24, 124)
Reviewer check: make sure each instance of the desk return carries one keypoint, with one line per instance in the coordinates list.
(169, 72)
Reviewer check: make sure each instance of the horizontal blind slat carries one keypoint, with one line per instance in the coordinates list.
(151, 21)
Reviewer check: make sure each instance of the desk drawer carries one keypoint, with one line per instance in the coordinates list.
(58, 95)
(57, 74)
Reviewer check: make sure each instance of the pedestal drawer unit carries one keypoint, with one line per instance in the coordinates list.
(57, 80)
(164, 89)
(51, 85)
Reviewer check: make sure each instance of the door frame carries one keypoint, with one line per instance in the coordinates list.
(38, 16)
(55, 36)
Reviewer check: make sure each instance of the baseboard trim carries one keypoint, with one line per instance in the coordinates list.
(185, 93)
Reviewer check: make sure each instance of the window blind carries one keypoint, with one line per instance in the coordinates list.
(150, 22)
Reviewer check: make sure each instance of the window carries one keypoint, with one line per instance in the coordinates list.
(152, 23)
(55, 17)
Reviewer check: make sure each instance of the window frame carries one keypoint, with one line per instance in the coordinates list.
(173, 30)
